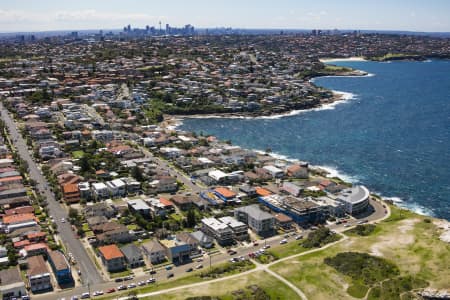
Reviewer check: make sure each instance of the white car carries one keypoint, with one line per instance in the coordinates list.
(131, 285)
(141, 283)
(283, 241)
(97, 293)
(150, 280)
(63, 220)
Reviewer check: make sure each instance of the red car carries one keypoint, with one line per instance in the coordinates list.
(112, 290)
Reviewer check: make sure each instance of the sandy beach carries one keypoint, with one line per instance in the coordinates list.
(353, 58)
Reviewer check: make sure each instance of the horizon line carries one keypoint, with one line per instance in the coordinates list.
(234, 28)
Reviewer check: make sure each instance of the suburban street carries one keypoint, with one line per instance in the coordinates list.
(89, 272)
(92, 280)
(378, 214)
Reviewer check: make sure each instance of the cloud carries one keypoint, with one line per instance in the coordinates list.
(76, 19)
(91, 15)
(317, 15)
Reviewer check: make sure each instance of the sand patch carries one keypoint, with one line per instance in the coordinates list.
(397, 239)
(444, 225)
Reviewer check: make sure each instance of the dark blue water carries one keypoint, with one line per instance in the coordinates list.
(393, 136)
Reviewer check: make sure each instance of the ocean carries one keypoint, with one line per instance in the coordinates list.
(392, 133)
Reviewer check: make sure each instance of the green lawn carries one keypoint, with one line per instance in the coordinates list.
(226, 290)
(120, 274)
(85, 227)
(132, 227)
(288, 249)
(196, 276)
(77, 154)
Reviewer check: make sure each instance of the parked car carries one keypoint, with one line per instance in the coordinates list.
(97, 293)
(151, 280)
(283, 241)
(199, 267)
(170, 275)
(189, 270)
(168, 268)
(121, 287)
(111, 290)
(85, 296)
(131, 285)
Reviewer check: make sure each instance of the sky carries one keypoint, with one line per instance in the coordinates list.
(44, 15)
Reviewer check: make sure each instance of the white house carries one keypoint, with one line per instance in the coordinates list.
(117, 188)
(100, 190)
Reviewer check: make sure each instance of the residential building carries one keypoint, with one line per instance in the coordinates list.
(220, 231)
(203, 239)
(240, 229)
(274, 171)
(177, 251)
(133, 255)
(61, 267)
(11, 284)
(38, 275)
(117, 188)
(283, 221)
(298, 171)
(355, 199)
(259, 221)
(99, 209)
(100, 190)
(154, 251)
(71, 193)
(112, 258)
(139, 206)
(187, 238)
(113, 232)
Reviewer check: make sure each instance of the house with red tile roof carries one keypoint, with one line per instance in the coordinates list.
(19, 218)
(71, 192)
(112, 258)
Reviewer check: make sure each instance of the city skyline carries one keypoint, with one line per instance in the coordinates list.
(49, 15)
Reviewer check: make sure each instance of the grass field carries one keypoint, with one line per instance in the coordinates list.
(288, 249)
(272, 286)
(193, 277)
(405, 239)
(77, 154)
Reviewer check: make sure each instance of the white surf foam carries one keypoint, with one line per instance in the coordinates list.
(410, 205)
(335, 172)
(277, 156)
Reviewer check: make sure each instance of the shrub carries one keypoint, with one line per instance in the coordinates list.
(362, 266)
(320, 237)
(362, 230)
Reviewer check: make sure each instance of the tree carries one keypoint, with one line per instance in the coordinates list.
(73, 213)
(85, 164)
(136, 173)
(190, 218)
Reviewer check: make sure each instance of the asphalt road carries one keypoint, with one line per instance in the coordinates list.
(89, 272)
(242, 250)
